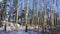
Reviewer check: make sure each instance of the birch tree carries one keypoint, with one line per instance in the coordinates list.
(52, 13)
(17, 6)
(44, 24)
(57, 9)
(26, 15)
(5, 4)
(33, 13)
(41, 18)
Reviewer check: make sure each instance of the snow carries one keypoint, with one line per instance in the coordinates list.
(20, 32)
(11, 29)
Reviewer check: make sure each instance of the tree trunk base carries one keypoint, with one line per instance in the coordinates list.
(26, 29)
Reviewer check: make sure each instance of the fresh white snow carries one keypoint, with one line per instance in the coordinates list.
(11, 29)
(20, 32)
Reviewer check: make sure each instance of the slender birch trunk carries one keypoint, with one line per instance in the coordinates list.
(36, 7)
(33, 13)
(17, 9)
(37, 4)
(21, 10)
(5, 2)
(52, 13)
(26, 16)
(57, 9)
(45, 23)
(16, 14)
(41, 19)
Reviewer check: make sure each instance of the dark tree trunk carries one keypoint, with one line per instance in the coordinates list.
(21, 19)
(26, 28)
(1, 16)
(5, 27)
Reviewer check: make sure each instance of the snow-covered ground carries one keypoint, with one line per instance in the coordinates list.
(20, 29)
(13, 26)
(20, 32)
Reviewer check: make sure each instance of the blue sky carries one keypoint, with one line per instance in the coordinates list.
(30, 4)
(0, 0)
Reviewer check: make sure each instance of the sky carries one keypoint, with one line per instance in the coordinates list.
(31, 3)
(0, 0)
